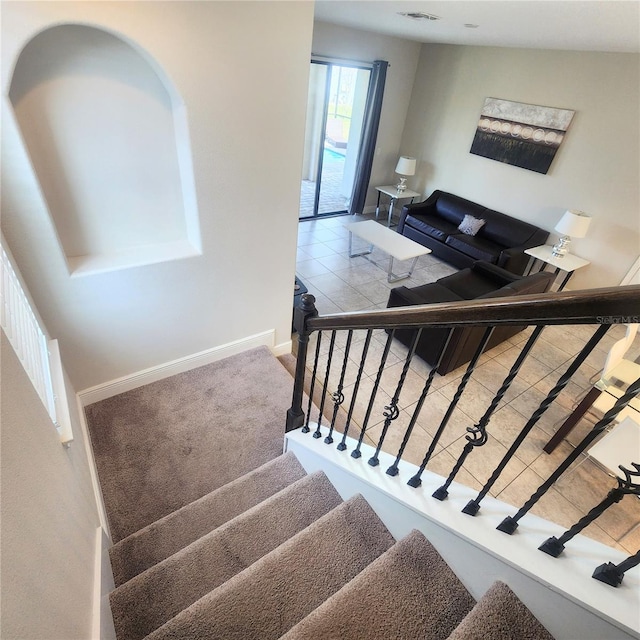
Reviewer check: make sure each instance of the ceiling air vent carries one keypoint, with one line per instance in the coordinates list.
(418, 15)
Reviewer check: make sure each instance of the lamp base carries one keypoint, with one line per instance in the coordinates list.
(561, 248)
(402, 185)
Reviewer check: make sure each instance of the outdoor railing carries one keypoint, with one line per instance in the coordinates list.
(601, 308)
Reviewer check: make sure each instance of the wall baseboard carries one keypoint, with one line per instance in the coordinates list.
(153, 374)
(102, 627)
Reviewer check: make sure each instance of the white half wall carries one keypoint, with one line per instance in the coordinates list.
(596, 169)
(242, 70)
(49, 517)
(559, 591)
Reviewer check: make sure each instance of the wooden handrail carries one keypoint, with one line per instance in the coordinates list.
(611, 305)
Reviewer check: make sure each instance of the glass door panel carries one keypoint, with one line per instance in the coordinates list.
(335, 108)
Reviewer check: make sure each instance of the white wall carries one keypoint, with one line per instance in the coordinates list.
(242, 70)
(596, 169)
(402, 55)
(49, 517)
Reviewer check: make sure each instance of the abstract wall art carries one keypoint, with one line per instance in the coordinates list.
(524, 135)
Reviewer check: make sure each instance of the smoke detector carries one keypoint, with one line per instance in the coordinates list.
(419, 15)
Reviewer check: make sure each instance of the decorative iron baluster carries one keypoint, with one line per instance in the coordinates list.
(393, 469)
(306, 428)
(306, 310)
(338, 396)
(383, 359)
(473, 506)
(416, 481)
(555, 546)
(510, 524)
(365, 349)
(317, 433)
(612, 574)
(391, 411)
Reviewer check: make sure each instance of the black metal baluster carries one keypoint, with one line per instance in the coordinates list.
(416, 481)
(555, 546)
(306, 428)
(383, 359)
(305, 310)
(473, 506)
(391, 411)
(338, 396)
(365, 349)
(393, 469)
(510, 524)
(317, 433)
(612, 574)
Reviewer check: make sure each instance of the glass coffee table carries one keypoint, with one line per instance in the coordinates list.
(398, 247)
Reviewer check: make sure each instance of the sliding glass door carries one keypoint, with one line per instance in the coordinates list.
(335, 108)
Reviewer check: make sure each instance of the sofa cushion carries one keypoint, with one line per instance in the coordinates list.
(505, 230)
(432, 226)
(425, 294)
(453, 208)
(468, 284)
(475, 246)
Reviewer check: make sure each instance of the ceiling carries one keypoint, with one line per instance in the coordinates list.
(577, 25)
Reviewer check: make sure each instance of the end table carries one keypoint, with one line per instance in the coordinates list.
(544, 256)
(394, 194)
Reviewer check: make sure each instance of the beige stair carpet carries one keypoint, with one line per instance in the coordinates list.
(500, 615)
(166, 536)
(273, 594)
(160, 593)
(163, 445)
(409, 592)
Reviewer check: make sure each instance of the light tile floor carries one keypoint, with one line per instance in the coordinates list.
(342, 284)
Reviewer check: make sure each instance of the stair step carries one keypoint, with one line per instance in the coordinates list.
(500, 614)
(273, 594)
(160, 593)
(161, 539)
(408, 592)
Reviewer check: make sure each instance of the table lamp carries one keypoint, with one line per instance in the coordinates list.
(573, 224)
(406, 167)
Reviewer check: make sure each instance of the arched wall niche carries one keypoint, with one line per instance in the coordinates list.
(107, 136)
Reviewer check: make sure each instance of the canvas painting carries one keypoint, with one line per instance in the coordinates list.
(524, 135)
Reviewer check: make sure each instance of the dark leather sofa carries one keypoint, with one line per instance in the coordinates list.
(501, 240)
(482, 280)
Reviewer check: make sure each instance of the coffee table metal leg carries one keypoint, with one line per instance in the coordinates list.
(362, 253)
(393, 277)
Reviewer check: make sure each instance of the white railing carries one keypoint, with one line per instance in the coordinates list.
(31, 344)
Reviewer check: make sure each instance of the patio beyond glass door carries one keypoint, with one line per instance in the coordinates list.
(335, 108)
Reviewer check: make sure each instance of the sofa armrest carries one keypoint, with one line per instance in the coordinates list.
(418, 208)
(492, 271)
(515, 259)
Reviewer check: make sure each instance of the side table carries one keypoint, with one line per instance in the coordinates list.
(394, 194)
(544, 255)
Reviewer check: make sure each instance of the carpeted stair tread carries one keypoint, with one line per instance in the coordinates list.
(409, 592)
(272, 595)
(159, 540)
(500, 614)
(168, 443)
(160, 593)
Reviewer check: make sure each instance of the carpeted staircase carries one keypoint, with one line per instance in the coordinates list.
(273, 552)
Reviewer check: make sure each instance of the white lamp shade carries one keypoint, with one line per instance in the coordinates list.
(406, 166)
(574, 223)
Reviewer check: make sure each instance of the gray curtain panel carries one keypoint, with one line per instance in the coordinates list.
(369, 135)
